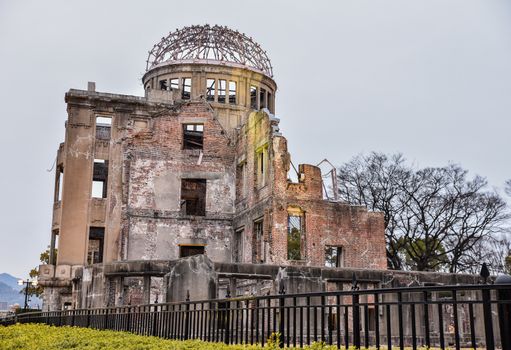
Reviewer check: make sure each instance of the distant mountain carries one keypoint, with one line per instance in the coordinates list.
(10, 280)
(10, 291)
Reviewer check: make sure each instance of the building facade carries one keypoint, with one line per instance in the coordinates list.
(196, 166)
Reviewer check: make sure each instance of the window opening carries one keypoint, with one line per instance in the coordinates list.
(54, 243)
(210, 90)
(295, 237)
(193, 136)
(100, 178)
(222, 84)
(193, 196)
(174, 84)
(232, 92)
(187, 88)
(95, 247)
(237, 250)
(253, 97)
(103, 127)
(262, 98)
(190, 250)
(261, 166)
(163, 84)
(59, 182)
(333, 256)
(256, 242)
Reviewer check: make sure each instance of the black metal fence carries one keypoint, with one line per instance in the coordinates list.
(466, 316)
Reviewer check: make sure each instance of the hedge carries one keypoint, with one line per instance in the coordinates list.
(40, 336)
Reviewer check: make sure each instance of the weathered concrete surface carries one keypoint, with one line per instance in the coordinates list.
(192, 277)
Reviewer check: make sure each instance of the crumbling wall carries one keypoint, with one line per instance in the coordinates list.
(155, 165)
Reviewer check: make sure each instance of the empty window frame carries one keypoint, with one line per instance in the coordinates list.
(163, 84)
(190, 250)
(253, 97)
(237, 249)
(193, 196)
(59, 182)
(232, 92)
(174, 84)
(222, 85)
(261, 166)
(295, 236)
(333, 256)
(257, 238)
(103, 128)
(100, 178)
(54, 244)
(95, 246)
(262, 98)
(241, 181)
(187, 88)
(210, 89)
(193, 136)
(270, 102)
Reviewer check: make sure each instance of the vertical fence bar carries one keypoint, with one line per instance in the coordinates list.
(488, 323)
(366, 325)
(356, 320)
(414, 330)
(456, 322)
(376, 320)
(389, 327)
(441, 324)
(472, 326)
(400, 320)
(426, 318)
(281, 318)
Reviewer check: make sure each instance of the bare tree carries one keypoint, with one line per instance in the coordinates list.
(434, 217)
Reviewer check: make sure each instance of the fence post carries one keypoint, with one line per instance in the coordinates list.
(487, 316)
(504, 296)
(187, 315)
(356, 313)
(282, 291)
(227, 317)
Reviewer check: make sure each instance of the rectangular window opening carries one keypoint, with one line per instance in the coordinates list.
(54, 244)
(294, 237)
(187, 88)
(59, 182)
(103, 128)
(210, 89)
(261, 167)
(163, 84)
(270, 102)
(174, 84)
(256, 242)
(333, 256)
(193, 196)
(95, 246)
(193, 136)
(190, 250)
(253, 97)
(222, 85)
(100, 178)
(262, 98)
(232, 92)
(237, 250)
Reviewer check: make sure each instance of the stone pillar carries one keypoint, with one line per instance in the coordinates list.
(194, 274)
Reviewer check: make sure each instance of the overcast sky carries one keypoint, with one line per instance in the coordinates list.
(430, 79)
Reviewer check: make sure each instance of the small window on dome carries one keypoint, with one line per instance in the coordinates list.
(210, 90)
(163, 84)
(174, 84)
(253, 97)
(221, 90)
(262, 98)
(187, 88)
(232, 92)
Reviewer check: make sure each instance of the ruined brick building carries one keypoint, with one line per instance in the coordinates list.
(196, 166)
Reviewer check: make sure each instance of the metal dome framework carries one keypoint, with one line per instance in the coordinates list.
(210, 43)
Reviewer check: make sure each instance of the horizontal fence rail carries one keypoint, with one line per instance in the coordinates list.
(467, 316)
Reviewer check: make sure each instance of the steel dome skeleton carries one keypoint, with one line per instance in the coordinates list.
(210, 43)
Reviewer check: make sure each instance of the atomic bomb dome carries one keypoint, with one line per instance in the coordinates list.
(209, 43)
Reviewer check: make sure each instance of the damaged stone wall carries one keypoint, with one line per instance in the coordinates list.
(155, 165)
